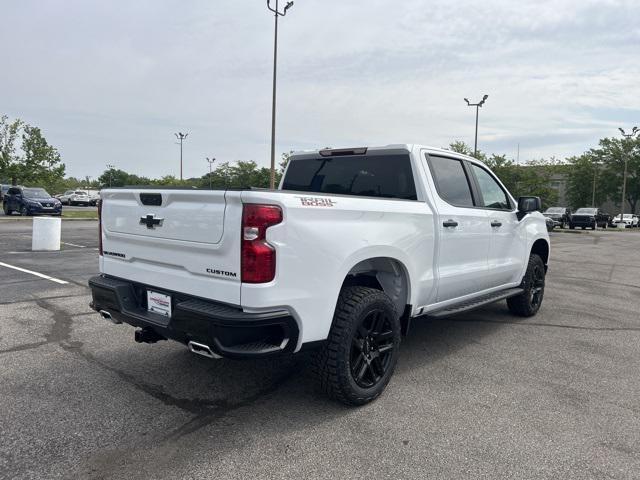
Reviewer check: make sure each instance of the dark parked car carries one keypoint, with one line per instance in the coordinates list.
(589, 218)
(561, 216)
(30, 201)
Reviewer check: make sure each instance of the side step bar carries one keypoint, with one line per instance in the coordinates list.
(475, 303)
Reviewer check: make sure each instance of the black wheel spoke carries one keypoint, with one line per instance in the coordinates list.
(377, 368)
(373, 372)
(361, 368)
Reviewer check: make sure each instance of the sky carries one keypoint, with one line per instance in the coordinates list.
(111, 82)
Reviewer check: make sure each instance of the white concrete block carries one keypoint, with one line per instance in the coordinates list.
(46, 233)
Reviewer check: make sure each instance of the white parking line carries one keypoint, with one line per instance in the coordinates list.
(41, 275)
(73, 245)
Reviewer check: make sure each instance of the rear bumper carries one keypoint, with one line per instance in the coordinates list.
(227, 330)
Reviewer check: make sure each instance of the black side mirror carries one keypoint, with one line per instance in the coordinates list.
(528, 205)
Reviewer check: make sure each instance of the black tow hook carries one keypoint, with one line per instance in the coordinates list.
(147, 335)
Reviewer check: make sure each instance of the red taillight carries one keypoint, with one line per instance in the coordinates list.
(100, 226)
(258, 257)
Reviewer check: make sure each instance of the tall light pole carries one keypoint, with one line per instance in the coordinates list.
(110, 167)
(477, 105)
(181, 136)
(627, 137)
(276, 14)
(210, 160)
(593, 192)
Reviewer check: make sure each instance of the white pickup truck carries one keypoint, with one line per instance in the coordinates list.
(352, 246)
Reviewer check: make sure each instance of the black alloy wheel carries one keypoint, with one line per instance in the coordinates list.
(529, 301)
(372, 349)
(537, 287)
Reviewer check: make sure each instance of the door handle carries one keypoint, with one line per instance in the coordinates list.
(496, 223)
(450, 223)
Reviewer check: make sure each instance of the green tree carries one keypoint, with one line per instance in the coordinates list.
(584, 170)
(41, 164)
(38, 164)
(114, 177)
(9, 134)
(611, 154)
(461, 147)
(534, 178)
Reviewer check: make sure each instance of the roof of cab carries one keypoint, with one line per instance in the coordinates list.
(391, 148)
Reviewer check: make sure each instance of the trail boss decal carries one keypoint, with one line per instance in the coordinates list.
(222, 273)
(316, 202)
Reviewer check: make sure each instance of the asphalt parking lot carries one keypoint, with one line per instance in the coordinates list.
(482, 395)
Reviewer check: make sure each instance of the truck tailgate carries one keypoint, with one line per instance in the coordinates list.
(179, 240)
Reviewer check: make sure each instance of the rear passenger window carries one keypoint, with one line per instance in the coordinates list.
(492, 193)
(451, 181)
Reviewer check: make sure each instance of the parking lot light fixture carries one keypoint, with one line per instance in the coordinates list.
(596, 166)
(276, 13)
(210, 161)
(478, 106)
(627, 139)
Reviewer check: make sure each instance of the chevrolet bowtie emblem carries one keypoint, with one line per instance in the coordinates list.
(151, 221)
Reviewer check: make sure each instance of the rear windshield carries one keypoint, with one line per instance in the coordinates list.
(586, 211)
(386, 176)
(555, 210)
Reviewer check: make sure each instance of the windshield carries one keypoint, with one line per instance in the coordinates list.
(586, 211)
(35, 193)
(81, 193)
(555, 210)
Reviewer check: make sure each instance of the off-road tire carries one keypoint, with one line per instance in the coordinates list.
(528, 303)
(333, 362)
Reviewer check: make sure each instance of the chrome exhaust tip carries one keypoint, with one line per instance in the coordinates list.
(107, 316)
(202, 349)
